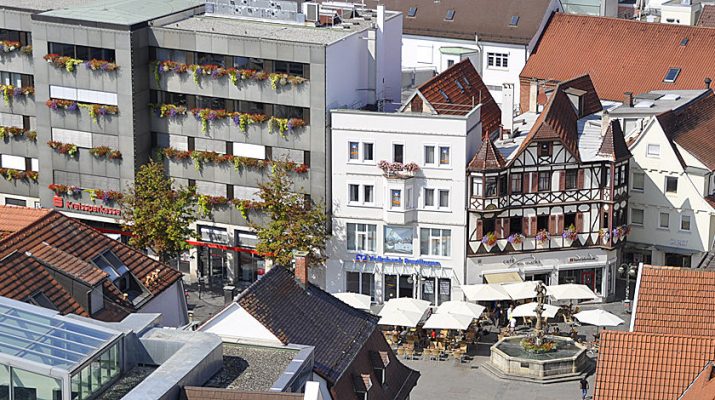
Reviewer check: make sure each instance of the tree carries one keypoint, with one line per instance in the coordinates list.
(157, 215)
(292, 221)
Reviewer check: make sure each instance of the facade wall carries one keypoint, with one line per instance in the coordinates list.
(171, 304)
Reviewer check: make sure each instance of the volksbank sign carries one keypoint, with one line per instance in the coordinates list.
(396, 260)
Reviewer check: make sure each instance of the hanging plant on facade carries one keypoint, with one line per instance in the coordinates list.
(200, 158)
(60, 104)
(283, 125)
(16, 132)
(214, 71)
(244, 206)
(243, 120)
(95, 110)
(65, 190)
(207, 203)
(10, 92)
(490, 239)
(63, 148)
(70, 64)
(570, 233)
(515, 239)
(397, 168)
(542, 236)
(105, 151)
(168, 110)
(107, 196)
(12, 175)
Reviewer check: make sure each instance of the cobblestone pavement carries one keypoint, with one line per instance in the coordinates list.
(450, 380)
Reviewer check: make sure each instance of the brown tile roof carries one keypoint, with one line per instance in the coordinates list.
(68, 264)
(692, 127)
(703, 387)
(643, 366)
(707, 16)
(614, 143)
(13, 219)
(342, 336)
(678, 301)
(459, 89)
(204, 393)
(471, 20)
(622, 55)
(487, 158)
(21, 277)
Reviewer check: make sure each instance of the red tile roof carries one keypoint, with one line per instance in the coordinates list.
(614, 143)
(68, 264)
(13, 219)
(457, 91)
(642, 366)
(703, 387)
(707, 16)
(677, 301)
(487, 158)
(622, 55)
(692, 126)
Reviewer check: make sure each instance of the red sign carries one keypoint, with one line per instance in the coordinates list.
(59, 202)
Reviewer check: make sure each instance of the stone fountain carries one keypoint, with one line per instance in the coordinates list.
(539, 357)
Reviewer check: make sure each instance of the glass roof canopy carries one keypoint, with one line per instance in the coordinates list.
(45, 337)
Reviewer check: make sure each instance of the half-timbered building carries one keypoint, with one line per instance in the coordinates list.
(548, 199)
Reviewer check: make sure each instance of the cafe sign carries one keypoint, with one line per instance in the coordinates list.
(59, 202)
(396, 260)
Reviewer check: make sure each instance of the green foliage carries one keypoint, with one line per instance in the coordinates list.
(157, 215)
(291, 221)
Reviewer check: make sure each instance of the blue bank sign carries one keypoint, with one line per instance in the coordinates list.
(396, 260)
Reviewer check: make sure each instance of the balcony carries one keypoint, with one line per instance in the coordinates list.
(227, 130)
(251, 90)
(17, 61)
(552, 242)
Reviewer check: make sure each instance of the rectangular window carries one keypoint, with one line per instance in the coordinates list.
(9, 201)
(516, 183)
(477, 187)
(571, 177)
(398, 153)
(361, 237)
(637, 216)
(435, 242)
(444, 198)
(354, 193)
(360, 282)
(544, 149)
(443, 155)
(396, 198)
(249, 150)
(13, 162)
(429, 197)
(367, 152)
(499, 60)
(685, 222)
(491, 187)
(653, 150)
(354, 150)
(638, 181)
(544, 181)
(369, 194)
(664, 221)
(429, 155)
(671, 184)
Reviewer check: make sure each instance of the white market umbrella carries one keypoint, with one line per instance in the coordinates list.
(460, 308)
(448, 321)
(355, 300)
(485, 292)
(528, 310)
(406, 304)
(522, 290)
(570, 291)
(400, 318)
(598, 317)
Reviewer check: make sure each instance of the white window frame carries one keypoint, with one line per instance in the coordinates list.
(361, 200)
(400, 198)
(434, 155)
(690, 223)
(439, 242)
(496, 60)
(633, 185)
(652, 150)
(361, 152)
(364, 197)
(364, 234)
(79, 138)
(660, 220)
(642, 212)
(439, 199)
(350, 151)
(392, 151)
(352, 186)
(424, 201)
(439, 156)
(13, 162)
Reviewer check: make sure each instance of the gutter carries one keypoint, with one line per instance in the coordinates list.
(635, 298)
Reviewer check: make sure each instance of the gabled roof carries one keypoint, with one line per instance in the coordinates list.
(470, 19)
(342, 336)
(457, 91)
(13, 219)
(703, 387)
(637, 57)
(614, 143)
(692, 127)
(487, 158)
(635, 365)
(677, 301)
(707, 16)
(68, 264)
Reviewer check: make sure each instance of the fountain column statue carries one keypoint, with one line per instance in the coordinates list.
(540, 297)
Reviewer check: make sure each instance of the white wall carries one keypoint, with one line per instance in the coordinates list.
(679, 14)
(171, 303)
(235, 323)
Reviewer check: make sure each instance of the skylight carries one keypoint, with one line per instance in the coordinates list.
(444, 95)
(466, 81)
(514, 20)
(110, 264)
(412, 11)
(459, 85)
(684, 41)
(450, 15)
(672, 75)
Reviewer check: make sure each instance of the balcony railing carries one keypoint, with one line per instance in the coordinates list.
(520, 243)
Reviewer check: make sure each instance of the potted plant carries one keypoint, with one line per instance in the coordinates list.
(569, 235)
(542, 237)
(489, 240)
(604, 235)
(515, 239)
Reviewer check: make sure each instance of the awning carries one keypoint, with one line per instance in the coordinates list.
(503, 277)
(676, 250)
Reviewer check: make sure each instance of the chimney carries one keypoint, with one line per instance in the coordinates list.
(605, 122)
(301, 268)
(533, 95)
(507, 106)
(708, 81)
(628, 100)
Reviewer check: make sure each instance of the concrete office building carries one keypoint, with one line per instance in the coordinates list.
(106, 85)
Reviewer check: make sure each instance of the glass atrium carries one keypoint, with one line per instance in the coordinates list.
(46, 356)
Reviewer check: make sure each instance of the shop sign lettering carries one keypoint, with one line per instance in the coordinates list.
(396, 260)
(59, 202)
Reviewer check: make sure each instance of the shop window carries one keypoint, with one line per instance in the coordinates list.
(445, 290)
(406, 286)
(428, 290)
(390, 287)
(677, 260)
(516, 183)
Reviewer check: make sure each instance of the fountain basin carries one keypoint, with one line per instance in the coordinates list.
(568, 362)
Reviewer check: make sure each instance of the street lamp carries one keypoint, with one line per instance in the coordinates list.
(630, 271)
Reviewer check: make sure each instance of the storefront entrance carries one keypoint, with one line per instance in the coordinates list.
(588, 278)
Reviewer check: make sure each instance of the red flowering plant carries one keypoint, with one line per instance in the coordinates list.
(63, 148)
(65, 190)
(105, 151)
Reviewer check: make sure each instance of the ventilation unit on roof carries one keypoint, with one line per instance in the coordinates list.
(672, 75)
(283, 10)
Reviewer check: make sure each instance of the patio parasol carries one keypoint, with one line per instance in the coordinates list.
(522, 290)
(460, 308)
(570, 291)
(485, 292)
(528, 310)
(355, 300)
(399, 317)
(406, 304)
(448, 321)
(598, 317)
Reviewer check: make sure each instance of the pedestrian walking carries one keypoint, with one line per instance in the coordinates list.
(584, 388)
(497, 315)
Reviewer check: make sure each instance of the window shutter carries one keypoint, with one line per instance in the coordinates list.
(480, 229)
(579, 222)
(562, 180)
(560, 223)
(580, 183)
(526, 226)
(534, 182)
(505, 227)
(533, 225)
(525, 182)
(552, 223)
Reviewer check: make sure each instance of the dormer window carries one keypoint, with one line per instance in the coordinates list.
(545, 149)
(672, 75)
(121, 276)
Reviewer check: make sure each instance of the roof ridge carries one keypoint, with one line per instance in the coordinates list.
(632, 21)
